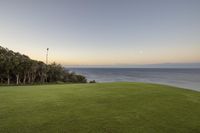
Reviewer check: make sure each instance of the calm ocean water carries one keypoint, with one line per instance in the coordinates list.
(185, 78)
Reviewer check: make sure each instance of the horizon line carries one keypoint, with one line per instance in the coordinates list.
(162, 65)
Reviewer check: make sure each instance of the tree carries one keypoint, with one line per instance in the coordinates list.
(42, 69)
(8, 64)
(18, 68)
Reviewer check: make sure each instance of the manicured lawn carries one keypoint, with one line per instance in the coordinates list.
(99, 108)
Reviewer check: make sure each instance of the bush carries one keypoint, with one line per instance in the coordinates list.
(81, 79)
(74, 78)
(92, 81)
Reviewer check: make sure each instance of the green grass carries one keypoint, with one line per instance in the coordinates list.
(99, 108)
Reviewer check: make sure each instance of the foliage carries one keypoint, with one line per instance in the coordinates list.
(92, 81)
(16, 68)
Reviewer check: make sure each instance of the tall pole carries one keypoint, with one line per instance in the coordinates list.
(47, 55)
(46, 63)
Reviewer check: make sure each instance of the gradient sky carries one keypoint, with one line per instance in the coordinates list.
(103, 32)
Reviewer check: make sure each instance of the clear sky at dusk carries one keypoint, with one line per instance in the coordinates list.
(103, 32)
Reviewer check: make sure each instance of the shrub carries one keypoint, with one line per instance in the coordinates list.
(92, 81)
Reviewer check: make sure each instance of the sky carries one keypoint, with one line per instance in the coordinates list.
(103, 32)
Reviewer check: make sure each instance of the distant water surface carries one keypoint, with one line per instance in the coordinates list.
(185, 78)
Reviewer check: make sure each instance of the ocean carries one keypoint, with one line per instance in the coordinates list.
(184, 78)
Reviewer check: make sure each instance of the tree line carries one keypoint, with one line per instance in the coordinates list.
(16, 68)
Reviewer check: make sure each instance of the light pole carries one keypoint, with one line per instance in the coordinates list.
(46, 63)
(47, 55)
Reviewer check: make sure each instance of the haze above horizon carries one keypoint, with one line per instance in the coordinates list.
(103, 32)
